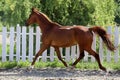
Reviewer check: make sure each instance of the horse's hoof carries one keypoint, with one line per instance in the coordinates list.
(103, 69)
(108, 72)
(30, 68)
(70, 68)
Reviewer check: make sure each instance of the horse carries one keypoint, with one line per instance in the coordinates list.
(56, 35)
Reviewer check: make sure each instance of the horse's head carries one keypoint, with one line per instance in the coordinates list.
(32, 17)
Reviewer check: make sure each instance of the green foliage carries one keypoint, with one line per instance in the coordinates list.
(65, 12)
(117, 13)
(68, 12)
(104, 12)
(13, 12)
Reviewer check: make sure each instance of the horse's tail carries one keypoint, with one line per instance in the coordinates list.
(105, 37)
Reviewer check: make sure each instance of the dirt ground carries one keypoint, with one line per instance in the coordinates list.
(57, 74)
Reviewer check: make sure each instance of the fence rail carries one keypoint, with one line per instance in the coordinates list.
(23, 43)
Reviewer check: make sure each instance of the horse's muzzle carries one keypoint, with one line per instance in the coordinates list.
(26, 24)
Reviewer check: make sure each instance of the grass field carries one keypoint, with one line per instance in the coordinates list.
(56, 63)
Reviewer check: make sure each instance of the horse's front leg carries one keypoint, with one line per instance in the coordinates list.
(59, 56)
(43, 48)
(81, 55)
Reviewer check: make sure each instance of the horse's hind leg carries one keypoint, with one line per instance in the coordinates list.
(93, 53)
(81, 55)
(59, 56)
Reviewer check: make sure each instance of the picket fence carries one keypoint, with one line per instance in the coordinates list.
(24, 43)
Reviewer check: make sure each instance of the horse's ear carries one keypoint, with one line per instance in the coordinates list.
(34, 10)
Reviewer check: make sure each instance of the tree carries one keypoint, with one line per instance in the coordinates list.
(65, 12)
(13, 12)
(104, 13)
(117, 14)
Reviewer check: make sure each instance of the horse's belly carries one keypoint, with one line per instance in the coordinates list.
(63, 43)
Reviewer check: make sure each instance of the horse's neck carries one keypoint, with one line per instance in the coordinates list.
(44, 23)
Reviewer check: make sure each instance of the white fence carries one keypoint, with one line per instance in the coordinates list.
(22, 43)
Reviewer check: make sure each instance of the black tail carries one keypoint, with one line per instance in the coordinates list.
(103, 34)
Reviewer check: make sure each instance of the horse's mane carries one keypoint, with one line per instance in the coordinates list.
(44, 15)
(49, 19)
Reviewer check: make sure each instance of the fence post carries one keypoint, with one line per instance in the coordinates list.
(78, 51)
(73, 53)
(38, 38)
(52, 54)
(18, 37)
(44, 56)
(86, 56)
(116, 43)
(101, 49)
(11, 43)
(24, 43)
(4, 52)
(108, 51)
(93, 46)
(67, 54)
(30, 54)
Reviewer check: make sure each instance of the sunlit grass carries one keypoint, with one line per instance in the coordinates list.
(58, 64)
(8, 64)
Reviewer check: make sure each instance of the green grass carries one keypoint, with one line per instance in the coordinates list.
(56, 63)
(8, 65)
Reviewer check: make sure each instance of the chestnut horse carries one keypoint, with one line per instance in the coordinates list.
(56, 35)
